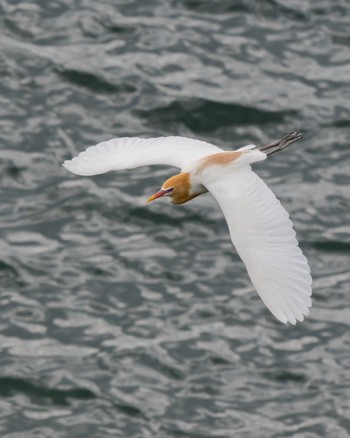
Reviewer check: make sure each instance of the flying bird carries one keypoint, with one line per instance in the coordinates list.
(260, 228)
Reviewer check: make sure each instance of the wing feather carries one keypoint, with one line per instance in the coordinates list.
(131, 152)
(263, 235)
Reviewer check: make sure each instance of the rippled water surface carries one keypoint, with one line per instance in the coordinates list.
(129, 320)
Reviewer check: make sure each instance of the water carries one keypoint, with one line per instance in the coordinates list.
(125, 320)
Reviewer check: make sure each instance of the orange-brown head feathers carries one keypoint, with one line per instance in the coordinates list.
(178, 188)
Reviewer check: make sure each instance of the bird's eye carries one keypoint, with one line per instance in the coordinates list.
(169, 190)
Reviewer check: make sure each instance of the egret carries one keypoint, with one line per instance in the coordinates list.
(260, 228)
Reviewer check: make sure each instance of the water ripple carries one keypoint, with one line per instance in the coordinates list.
(121, 319)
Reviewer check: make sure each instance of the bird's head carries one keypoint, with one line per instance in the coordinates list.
(177, 188)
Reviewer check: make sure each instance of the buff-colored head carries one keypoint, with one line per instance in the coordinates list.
(177, 188)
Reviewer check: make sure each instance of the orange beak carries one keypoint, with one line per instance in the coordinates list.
(157, 195)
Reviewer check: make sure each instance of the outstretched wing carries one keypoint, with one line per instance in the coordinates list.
(131, 152)
(264, 238)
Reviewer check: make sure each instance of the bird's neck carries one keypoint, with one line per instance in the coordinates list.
(181, 199)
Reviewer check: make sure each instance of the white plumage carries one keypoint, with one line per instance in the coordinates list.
(260, 227)
(130, 152)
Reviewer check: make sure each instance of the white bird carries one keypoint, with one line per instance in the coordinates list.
(259, 226)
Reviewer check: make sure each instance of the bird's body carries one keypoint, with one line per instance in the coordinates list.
(189, 182)
(259, 226)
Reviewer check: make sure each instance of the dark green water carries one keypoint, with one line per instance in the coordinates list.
(120, 319)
